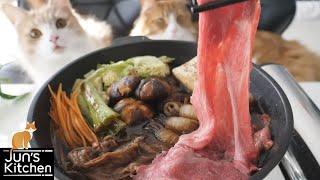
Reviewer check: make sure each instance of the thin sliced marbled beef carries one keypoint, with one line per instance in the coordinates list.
(223, 146)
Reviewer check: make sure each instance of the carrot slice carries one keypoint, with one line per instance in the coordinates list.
(68, 120)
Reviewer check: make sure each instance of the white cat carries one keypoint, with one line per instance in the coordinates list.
(52, 34)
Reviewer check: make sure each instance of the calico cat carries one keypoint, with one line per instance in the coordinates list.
(22, 139)
(52, 34)
(171, 19)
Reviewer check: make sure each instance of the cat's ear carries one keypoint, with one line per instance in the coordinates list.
(33, 123)
(14, 14)
(36, 3)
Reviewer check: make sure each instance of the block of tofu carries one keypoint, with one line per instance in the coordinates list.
(187, 73)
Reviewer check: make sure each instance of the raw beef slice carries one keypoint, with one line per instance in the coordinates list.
(222, 147)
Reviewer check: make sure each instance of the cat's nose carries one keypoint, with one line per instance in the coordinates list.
(54, 38)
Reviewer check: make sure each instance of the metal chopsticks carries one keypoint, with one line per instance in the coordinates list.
(195, 8)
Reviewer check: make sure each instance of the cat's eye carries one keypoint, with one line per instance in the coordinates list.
(61, 23)
(35, 33)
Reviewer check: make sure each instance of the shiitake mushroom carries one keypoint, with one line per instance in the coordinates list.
(133, 111)
(122, 103)
(153, 89)
(122, 88)
(180, 119)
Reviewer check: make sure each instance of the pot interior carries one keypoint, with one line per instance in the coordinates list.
(262, 86)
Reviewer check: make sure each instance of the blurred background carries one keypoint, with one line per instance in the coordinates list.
(305, 26)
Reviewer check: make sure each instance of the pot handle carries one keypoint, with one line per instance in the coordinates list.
(304, 107)
(296, 95)
(299, 163)
(128, 40)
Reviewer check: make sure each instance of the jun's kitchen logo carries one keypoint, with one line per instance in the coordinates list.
(20, 160)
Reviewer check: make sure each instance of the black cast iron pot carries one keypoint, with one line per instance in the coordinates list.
(274, 101)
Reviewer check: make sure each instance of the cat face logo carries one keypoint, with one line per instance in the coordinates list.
(31, 127)
(21, 161)
(20, 140)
